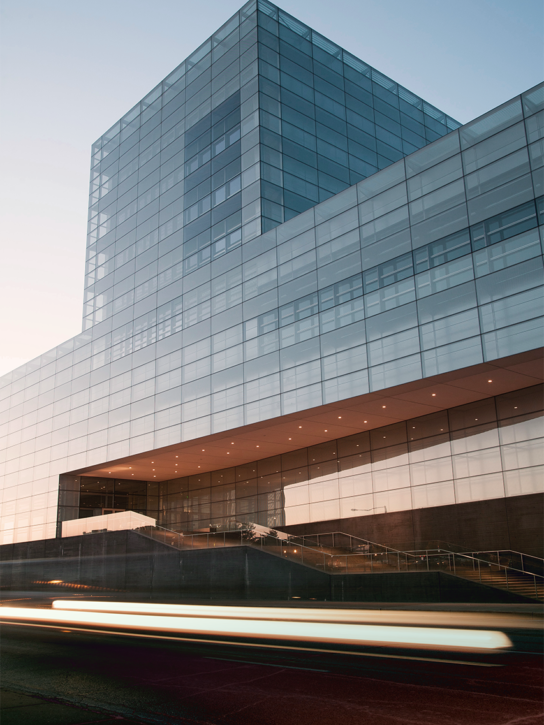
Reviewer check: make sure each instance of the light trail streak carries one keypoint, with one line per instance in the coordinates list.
(482, 620)
(266, 645)
(297, 631)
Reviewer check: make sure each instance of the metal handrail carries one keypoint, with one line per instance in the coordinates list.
(475, 558)
(182, 540)
(341, 533)
(525, 559)
(292, 541)
(286, 546)
(333, 534)
(366, 542)
(525, 569)
(504, 551)
(444, 545)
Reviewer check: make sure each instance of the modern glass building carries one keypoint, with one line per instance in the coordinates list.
(312, 300)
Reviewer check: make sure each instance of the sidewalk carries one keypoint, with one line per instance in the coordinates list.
(18, 709)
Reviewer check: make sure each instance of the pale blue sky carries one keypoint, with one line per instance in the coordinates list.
(70, 69)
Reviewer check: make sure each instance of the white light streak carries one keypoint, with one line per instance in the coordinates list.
(476, 620)
(300, 631)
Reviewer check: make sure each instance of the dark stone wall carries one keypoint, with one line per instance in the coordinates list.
(514, 523)
(432, 586)
(123, 564)
(123, 561)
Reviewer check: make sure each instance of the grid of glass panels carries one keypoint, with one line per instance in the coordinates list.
(105, 495)
(167, 192)
(484, 450)
(190, 171)
(327, 119)
(369, 289)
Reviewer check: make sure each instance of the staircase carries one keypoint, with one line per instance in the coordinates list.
(510, 580)
(339, 553)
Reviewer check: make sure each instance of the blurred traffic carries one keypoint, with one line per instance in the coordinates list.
(356, 629)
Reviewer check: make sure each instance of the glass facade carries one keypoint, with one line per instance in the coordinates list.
(327, 120)
(265, 120)
(484, 450)
(274, 228)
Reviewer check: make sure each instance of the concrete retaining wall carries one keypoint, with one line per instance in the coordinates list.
(133, 566)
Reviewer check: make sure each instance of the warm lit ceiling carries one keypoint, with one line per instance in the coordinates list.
(327, 422)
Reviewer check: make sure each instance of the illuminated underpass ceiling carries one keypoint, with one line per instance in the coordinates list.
(327, 422)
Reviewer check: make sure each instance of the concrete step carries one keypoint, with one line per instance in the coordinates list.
(517, 582)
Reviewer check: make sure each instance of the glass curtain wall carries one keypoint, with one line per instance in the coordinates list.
(327, 118)
(266, 119)
(167, 194)
(429, 265)
(485, 450)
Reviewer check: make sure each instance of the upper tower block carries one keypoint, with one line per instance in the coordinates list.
(264, 120)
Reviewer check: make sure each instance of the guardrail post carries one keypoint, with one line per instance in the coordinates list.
(479, 571)
(427, 557)
(506, 575)
(453, 555)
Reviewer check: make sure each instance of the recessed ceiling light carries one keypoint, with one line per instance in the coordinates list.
(258, 446)
(326, 430)
(433, 395)
(290, 439)
(365, 421)
(384, 406)
(300, 426)
(489, 381)
(339, 417)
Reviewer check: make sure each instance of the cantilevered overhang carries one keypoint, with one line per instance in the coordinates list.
(328, 422)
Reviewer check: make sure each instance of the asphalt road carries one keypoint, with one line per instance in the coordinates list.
(173, 682)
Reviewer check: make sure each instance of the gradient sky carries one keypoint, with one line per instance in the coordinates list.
(69, 69)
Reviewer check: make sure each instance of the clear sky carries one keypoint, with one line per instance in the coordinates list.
(69, 69)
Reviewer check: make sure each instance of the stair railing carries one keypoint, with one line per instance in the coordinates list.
(523, 562)
(375, 559)
(461, 564)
